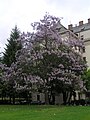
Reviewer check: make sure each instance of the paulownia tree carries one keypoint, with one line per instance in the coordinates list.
(51, 58)
(47, 61)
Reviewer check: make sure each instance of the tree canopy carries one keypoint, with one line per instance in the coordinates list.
(12, 47)
(46, 61)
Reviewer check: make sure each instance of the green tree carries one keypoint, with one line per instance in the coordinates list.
(86, 78)
(12, 47)
(0, 58)
(3, 87)
(9, 58)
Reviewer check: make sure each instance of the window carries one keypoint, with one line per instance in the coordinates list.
(83, 49)
(82, 37)
(84, 58)
(79, 49)
(76, 34)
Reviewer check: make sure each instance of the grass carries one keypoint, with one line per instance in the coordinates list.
(25, 112)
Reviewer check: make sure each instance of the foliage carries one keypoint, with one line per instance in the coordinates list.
(86, 78)
(46, 62)
(46, 55)
(7, 80)
(12, 47)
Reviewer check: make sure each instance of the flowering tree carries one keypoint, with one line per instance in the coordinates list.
(48, 61)
(3, 85)
(51, 58)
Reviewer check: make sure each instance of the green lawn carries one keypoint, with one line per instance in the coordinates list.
(25, 112)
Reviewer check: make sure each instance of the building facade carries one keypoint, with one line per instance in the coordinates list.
(83, 32)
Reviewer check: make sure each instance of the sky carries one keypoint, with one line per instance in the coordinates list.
(23, 12)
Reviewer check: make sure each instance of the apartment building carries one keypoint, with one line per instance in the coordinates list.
(83, 32)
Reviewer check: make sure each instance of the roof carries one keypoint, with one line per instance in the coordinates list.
(62, 28)
(80, 28)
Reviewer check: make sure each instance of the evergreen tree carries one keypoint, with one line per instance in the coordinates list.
(0, 57)
(12, 47)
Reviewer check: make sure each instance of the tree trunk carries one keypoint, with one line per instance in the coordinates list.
(53, 99)
(2, 98)
(10, 99)
(13, 99)
(46, 98)
(69, 99)
(65, 96)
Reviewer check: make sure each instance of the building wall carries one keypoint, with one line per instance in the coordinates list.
(87, 53)
(59, 99)
(86, 38)
(85, 33)
(42, 96)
